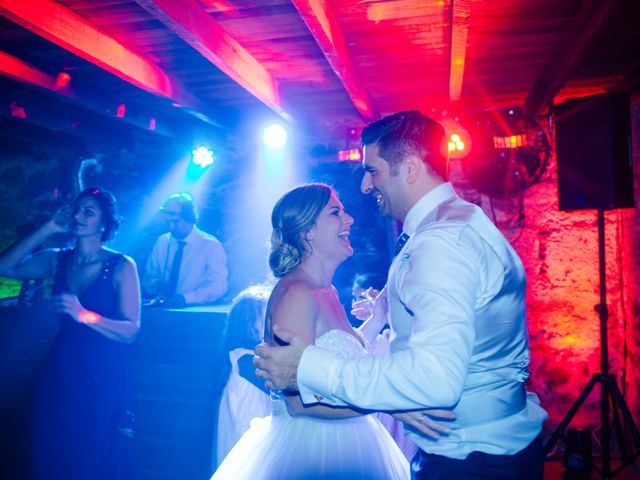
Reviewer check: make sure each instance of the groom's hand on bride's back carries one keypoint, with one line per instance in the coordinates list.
(278, 365)
(432, 423)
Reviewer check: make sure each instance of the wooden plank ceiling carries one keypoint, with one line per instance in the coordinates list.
(326, 66)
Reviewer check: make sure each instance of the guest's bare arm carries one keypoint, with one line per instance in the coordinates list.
(17, 260)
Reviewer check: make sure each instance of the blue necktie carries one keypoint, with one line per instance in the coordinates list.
(174, 275)
(402, 239)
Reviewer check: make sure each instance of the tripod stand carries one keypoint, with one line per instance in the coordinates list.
(611, 399)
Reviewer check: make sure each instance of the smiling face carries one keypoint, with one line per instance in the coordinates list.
(330, 234)
(385, 185)
(87, 217)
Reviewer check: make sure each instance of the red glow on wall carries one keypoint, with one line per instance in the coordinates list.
(152, 123)
(122, 109)
(561, 257)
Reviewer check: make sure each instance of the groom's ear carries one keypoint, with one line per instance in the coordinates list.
(411, 166)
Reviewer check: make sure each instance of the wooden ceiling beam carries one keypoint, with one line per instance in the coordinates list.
(61, 26)
(591, 20)
(64, 28)
(460, 21)
(323, 25)
(61, 88)
(188, 20)
(16, 69)
(23, 107)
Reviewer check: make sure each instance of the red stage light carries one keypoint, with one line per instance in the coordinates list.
(458, 142)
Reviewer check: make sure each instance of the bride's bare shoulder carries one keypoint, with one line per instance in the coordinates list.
(289, 289)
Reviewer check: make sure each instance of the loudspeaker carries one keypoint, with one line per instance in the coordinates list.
(593, 148)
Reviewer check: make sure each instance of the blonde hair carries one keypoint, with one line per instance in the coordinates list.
(293, 215)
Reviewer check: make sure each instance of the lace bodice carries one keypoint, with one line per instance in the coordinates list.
(343, 343)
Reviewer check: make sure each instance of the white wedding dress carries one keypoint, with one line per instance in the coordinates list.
(305, 448)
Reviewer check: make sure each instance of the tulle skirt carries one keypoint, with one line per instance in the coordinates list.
(304, 448)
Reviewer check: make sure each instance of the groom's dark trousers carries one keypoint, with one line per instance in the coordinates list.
(528, 464)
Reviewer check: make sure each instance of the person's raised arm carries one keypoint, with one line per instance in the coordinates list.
(128, 295)
(17, 261)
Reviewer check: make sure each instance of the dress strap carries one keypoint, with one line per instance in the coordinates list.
(110, 264)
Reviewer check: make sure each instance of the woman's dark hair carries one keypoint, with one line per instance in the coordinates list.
(108, 207)
(293, 215)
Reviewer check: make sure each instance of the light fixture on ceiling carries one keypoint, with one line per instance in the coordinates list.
(274, 136)
(459, 142)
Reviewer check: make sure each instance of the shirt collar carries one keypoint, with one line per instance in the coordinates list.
(425, 205)
(188, 239)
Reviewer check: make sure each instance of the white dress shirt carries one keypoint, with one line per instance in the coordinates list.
(203, 271)
(457, 313)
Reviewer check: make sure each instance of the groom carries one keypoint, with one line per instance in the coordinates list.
(456, 296)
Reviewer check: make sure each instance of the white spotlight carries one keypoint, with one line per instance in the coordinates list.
(202, 156)
(274, 136)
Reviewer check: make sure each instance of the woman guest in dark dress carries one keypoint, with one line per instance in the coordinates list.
(84, 404)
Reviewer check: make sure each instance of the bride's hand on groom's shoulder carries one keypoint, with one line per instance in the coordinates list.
(278, 365)
(431, 422)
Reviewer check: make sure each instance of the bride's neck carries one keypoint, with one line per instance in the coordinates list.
(319, 274)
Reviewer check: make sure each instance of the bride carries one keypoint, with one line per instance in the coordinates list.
(310, 239)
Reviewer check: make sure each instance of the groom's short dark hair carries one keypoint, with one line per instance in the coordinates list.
(409, 133)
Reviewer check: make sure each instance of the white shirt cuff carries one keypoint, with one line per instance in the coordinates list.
(316, 374)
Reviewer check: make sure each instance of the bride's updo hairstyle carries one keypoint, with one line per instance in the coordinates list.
(294, 215)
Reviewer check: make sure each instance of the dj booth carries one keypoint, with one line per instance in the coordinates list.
(176, 357)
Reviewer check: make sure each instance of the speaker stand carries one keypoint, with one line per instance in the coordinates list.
(612, 403)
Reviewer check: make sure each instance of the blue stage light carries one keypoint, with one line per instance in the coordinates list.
(274, 136)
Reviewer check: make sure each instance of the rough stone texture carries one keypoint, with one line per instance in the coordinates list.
(630, 277)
